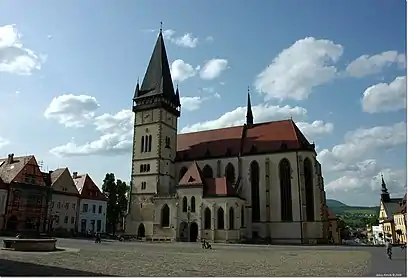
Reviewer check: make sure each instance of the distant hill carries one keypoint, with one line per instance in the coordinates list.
(340, 208)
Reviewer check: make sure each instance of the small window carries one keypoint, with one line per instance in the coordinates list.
(93, 208)
(72, 220)
(73, 206)
(57, 219)
(66, 219)
(167, 141)
(85, 208)
(143, 185)
(58, 205)
(100, 209)
(144, 168)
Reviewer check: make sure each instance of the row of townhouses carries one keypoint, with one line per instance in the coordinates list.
(32, 200)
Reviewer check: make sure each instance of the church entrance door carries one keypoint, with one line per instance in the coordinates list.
(193, 232)
(141, 232)
(183, 231)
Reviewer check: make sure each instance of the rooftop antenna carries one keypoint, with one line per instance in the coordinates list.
(41, 164)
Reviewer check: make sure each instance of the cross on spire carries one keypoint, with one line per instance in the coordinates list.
(161, 26)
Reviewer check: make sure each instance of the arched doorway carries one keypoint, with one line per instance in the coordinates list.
(141, 232)
(183, 235)
(12, 223)
(193, 232)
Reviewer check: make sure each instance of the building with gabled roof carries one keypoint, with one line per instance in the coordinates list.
(65, 201)
(92, 205)
(259, 180)
(28, 194)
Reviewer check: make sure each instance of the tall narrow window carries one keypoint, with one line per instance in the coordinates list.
(231, 219)
(165, 216)
(167, 142)
(150, 143)
(285, 190)
(192, 204)
(142, 144)
(220, 219)
(308, 170)
(230, 173)
(242, 216)
(208, 171)
(256, 206)
(185, 204)
(207, 219)
(146, 142)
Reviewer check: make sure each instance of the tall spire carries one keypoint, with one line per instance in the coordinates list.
(157, 80)
(249, 115)
(385, 196)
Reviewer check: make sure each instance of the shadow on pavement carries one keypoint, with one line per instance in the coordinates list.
(14, 268)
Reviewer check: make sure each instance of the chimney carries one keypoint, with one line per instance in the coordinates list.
(10, 158)
(74, 175)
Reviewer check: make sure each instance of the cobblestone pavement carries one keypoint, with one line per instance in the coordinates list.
(84, 258)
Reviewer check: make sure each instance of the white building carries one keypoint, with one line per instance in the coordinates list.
(92, 205)
(258, 181)
(376, 231)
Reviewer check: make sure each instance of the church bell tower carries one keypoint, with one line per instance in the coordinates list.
(156, 106)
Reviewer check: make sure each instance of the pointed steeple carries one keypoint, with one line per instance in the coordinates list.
(385, 196)
(249, 115)
(137, 89)
(157, 82)
(178, 97)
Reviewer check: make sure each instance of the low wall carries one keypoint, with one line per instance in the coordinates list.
(44, 245)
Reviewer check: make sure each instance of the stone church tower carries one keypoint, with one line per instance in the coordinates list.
(157, 108)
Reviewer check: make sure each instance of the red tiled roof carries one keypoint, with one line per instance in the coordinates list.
(87, 188)
(192, 176)
(19, 168)
(211, 186)
(259, 138)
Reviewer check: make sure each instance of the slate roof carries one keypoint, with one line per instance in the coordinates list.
(260, 138)
(392, 207)
(87, 188)
(211, 186)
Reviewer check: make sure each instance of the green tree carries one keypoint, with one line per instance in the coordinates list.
(115, 191)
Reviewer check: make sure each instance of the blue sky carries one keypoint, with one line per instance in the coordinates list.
(74, 66)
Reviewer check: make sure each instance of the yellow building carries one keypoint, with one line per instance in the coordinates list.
(389, 210)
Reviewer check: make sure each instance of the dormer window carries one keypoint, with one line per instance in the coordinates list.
(167, 142)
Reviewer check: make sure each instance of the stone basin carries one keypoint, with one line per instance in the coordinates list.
(30, 244)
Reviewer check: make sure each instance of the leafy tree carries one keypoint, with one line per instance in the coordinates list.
(116, 192)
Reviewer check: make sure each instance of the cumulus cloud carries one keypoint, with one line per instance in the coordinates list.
(72, 110)
(262, 112)
(181, 70)
(186, 40)
(213, 68)
(385, 97)
(194, 103)
(367, 65)
(3, 142)
(293, 74)
(353, 164)
(15, 58)
(315, 129)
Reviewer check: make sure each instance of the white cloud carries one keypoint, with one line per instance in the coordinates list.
(315, 129)
(186, 40)
(3, 142)
(367, 65)
(72, 110)
(181, 70)
(263, 112)
(14, 57)
(293, 74)
(385, 97)
(119, 122)
(213, 68)
(209, 39)
(363, 143)
(191, 103)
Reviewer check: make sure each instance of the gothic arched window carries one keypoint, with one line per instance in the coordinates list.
(208, 171)
(192, 204)
(142, 144)
(150, 144)
(185, 204)
(165, 216)
(220, 219)
(207, 219)
(231, 218)
(230, 173)
(183, 171)
(256, 206)
(285, 190)
(242, 216)
(308, 171)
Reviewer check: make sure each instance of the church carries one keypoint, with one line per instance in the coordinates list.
(255, 182)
